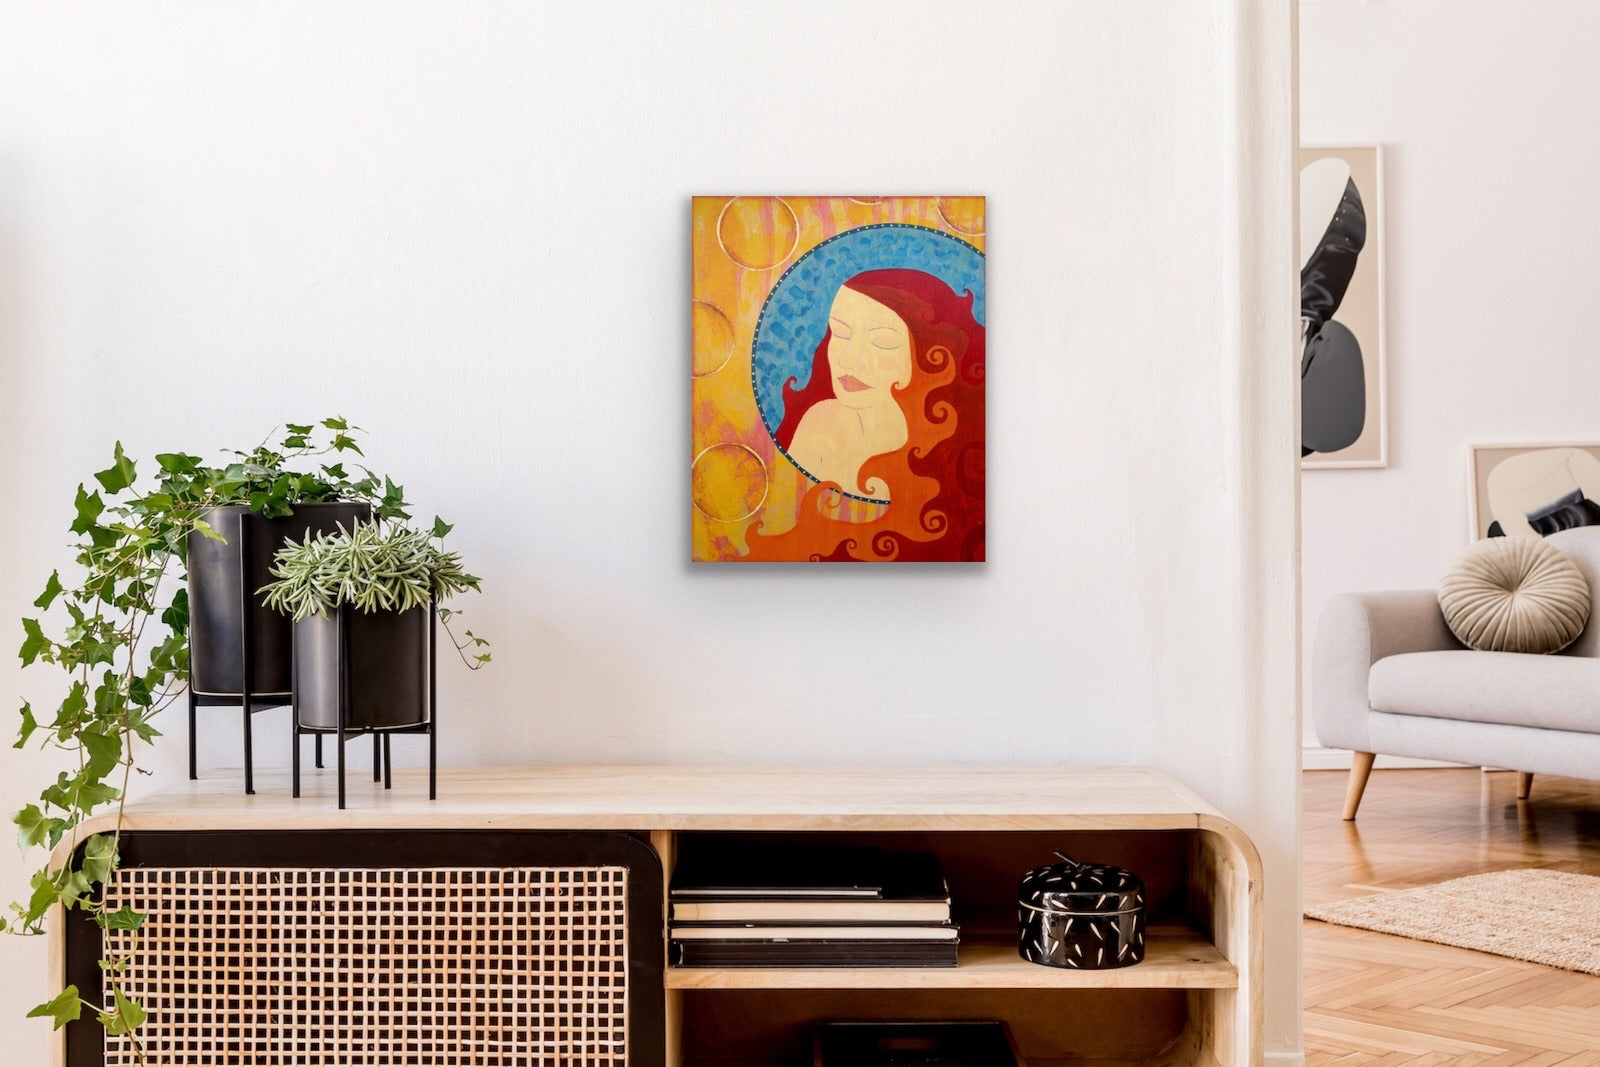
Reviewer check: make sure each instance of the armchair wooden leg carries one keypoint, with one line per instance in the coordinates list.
(1360, 767)
(1524, 784)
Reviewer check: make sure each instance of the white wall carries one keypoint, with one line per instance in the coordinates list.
(1490, 217)
(465, 227)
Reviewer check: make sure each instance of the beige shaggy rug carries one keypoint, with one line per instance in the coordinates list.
(1548, 917)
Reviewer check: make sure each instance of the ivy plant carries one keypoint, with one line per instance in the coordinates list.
(116, 627)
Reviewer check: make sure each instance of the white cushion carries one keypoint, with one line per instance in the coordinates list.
(1513, 688)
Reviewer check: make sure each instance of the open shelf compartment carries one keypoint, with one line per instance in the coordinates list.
(1172, 1009)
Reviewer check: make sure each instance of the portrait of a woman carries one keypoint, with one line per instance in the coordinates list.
(892, 415)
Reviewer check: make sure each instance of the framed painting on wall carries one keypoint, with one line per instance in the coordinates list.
(1343, 407)
(1533, 490)
(837, 410)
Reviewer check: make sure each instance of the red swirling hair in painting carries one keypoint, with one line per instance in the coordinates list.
(936, 482)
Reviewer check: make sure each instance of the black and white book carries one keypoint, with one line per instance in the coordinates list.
(812, 953)
(767, 872)
(905, 932)
(792, 911)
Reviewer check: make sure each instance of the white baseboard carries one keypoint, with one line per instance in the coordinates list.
(1317, 758)
(1284, 1059)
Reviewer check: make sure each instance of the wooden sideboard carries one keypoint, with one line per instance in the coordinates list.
(1195, 1000)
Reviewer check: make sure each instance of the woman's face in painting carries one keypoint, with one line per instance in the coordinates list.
(869, 351)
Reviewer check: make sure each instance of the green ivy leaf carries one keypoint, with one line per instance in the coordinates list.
(117, 477)
(76, 890)
(159, 504)
(33, 827)
(139, 693)
(140, 725)
(336, 423)
(177, 462)
(128, 1017)
(124, 918)
(441, 529)
(70, 714)
(298, 427)
(29, 725)
(109, 697)
(67, 1007)
(206, 531)
(45, 894)
(104, 749)
(78, 792)
(177, 613)
(52, 589)
(88, 506)
(34, 642)
(99, 856)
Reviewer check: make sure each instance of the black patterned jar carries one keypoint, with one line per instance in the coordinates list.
(1080, 915)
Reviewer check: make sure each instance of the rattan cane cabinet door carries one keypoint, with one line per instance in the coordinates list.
(472, 949)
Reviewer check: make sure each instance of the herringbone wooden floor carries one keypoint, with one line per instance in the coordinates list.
(1378, 1001)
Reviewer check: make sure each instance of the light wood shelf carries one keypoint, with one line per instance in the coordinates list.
(1174, 959)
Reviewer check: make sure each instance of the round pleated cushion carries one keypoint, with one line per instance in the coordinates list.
(1514, 594)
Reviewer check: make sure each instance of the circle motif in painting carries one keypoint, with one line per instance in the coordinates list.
(728, 482)
(758, 232)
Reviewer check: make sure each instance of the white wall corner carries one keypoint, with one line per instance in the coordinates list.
(1265, 262)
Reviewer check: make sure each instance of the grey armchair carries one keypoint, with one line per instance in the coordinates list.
(1388, 677)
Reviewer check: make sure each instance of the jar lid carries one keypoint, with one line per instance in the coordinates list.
(1073, 886)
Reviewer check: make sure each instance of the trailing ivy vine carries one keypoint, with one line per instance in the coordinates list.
(117, 628)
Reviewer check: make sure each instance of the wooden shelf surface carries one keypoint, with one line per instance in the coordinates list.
(949, 797)
(1174, 959)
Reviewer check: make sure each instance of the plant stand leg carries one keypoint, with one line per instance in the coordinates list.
(388, 764)
(377, 758)
(294, 758)
(343, 718)
(247, 681)
(193, 700)
(249, 755)
(318, 745)
(433, 701)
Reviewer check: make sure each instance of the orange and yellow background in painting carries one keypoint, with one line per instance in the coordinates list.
(739, 479)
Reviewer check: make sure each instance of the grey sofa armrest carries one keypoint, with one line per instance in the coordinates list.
(1357, 630)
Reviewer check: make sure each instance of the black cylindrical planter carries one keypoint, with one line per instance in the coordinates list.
(216, 595)
(383, 673)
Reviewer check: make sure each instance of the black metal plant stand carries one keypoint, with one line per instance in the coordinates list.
(382, 764)
(248, 700)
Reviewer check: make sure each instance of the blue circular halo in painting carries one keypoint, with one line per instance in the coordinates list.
(795, 314)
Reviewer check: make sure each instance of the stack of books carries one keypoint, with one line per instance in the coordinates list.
(794, 905)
